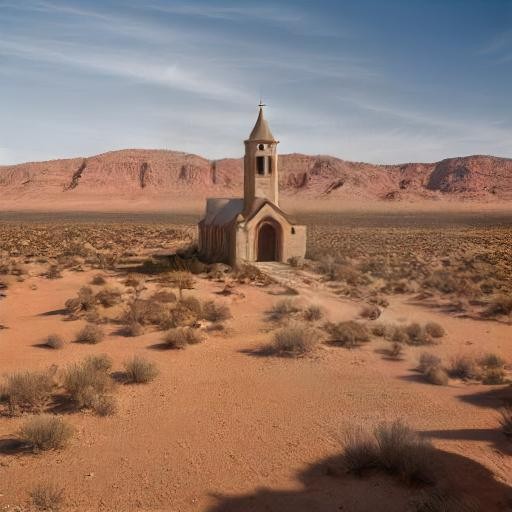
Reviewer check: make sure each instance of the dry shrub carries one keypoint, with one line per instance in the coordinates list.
(132, 330)
(91, 334)
(404, 453)
(349, 334)
(506, 420)
(45, 432)
(29, 391)
(313, 313)
(378, 329)
(396, 351)
(464, 367)
(193, 305)
(214, 312)
(282, 309)
(498, 306)
(47, 496)
(53, 272)
(434, 329)
(163, 296)
(98, 280)
(109, 297)
(360, 452)
(84, 301)
(88, 384)
(181, 280)
(370, 311)
(133, 281)
(294, 340)
(140, 370)
(394, 448)
(180, 337)
(247, 273)
(53, 341)
(417, 335)
(430, 366)
(396, 333)
(493, 376)
(492, 361)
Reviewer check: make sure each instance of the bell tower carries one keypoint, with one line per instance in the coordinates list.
(260, 163)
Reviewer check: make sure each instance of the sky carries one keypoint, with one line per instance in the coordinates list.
(381, 81)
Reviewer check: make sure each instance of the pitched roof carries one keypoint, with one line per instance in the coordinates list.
(261, 130)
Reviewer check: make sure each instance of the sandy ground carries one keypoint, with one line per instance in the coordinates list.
(225, 428)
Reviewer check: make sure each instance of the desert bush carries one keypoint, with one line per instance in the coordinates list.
(360, 452)
(47, 496)
(370, 311)
(349, 334)
(88, 383)
(84, 301)
(296, 261)
(132, 330)
(282, 309)
(378, 329)
(493, 376)
(182, 281)
(506, 420)
(104, 405)
(214, 312)
(45, 432)
(396, 351)
(90, 333)
(394, 448)
(247, 273)
(133, 281)
(492, 361)
(427, 361)
(417, 335)
(98, 280)
(295, 339)
(163, 296)
(436, 375)
(464, 367)
(404, 453)
(313, 313)
(140, 371)
(53, 272)
(53, 341)
(180, 337)
(193, 305)
(499, 305)
(28, 391)
(434, 329)
(109, 297)
(396, 333)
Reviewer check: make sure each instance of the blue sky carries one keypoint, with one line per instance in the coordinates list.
(382, 81)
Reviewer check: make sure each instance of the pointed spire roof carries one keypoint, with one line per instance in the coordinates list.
(261, 130)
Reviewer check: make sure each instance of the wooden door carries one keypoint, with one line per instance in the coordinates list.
(267, 243)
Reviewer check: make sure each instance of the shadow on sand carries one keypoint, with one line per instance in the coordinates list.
(325, 487)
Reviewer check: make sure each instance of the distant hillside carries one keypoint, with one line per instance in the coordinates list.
(138, 174)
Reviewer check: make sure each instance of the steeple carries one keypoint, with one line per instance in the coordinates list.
(260, 164)
(261, 131)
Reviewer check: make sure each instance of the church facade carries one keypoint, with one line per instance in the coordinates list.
(252, 228)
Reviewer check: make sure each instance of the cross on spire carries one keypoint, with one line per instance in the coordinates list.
(261, 104)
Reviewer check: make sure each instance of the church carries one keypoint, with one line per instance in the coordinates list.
(252, 228)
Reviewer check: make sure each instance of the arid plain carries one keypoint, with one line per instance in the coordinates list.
(398, 315)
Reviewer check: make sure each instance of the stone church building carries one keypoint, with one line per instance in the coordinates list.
(252, 228)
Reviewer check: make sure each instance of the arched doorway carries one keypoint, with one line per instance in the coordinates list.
(268, 241)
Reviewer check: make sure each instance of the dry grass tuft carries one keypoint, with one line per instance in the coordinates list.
(437, 500)
(313, 313)
(464, 367)
(214, 312)
(88, 384)
(45, 432)
(164, 296)
(91, 334)
(28, 391)
(430, 366)
(370, 311)
(140, 370)
(109, 297)
(53, 341)
(282, 309)
(180, 337)
(394, 448)
(47, 497)
(434, 329)
(295, 339)
(98, 280)
(349, 334)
